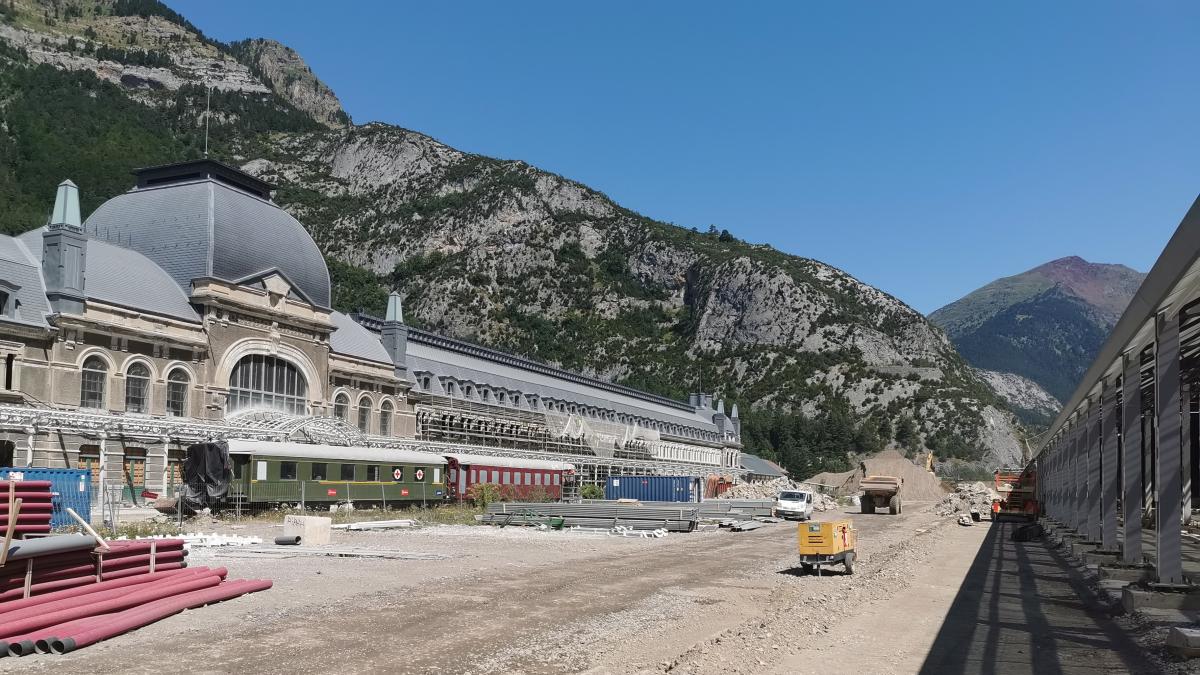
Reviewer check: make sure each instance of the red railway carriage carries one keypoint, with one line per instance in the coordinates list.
(518, 478)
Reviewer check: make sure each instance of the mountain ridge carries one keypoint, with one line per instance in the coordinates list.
(502, 253)
(1045, 324)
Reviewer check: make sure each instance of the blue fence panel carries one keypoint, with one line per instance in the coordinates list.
(71, 488)
(653, 488)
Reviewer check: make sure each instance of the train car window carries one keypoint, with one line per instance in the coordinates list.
(437, 474)
(517, 478)
(347, 472)
(537, 477)
(373, 473)
(507, 478)
(260, 470)
(528, 478)
(474, 476)
(287, 471)
(495, 477)
(556, 479)
(320, 471)
(239, 466)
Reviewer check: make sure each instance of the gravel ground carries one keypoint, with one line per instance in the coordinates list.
(517, 600)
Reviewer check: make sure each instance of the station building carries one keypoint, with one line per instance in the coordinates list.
(192, 308)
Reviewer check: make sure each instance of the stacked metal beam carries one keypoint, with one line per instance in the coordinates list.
(714, 509)
(35, 511)
(66, 592)
(673, 518)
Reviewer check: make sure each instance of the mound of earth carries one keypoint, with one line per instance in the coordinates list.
(919, 484)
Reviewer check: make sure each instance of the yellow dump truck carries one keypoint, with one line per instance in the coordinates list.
(826, 543)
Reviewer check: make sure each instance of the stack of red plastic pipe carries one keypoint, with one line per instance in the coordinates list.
(78, 596)
(34, 517)
(77, 568)
(66, 620)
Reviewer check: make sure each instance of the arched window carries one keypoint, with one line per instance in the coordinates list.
(364, 414)
(341, 407)
(264, 381)
(137, 388)
(95, 376)
(385, 418)
(177, 392)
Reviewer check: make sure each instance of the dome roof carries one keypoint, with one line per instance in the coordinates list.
(126, 278)
(204, 219)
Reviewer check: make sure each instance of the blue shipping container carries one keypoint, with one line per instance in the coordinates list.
(71, 488)
(654, 488)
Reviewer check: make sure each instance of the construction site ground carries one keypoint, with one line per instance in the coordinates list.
(518, 600)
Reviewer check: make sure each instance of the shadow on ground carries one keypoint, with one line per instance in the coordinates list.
(1025, 608)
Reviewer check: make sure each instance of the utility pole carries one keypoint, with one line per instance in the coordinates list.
(207, 114)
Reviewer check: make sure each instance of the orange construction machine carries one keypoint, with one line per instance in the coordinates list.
(1018, 493)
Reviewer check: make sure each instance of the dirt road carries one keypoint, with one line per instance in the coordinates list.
(507, 601)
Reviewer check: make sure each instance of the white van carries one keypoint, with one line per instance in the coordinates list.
(794, 504)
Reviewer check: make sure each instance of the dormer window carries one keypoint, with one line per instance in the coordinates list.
(5, 310)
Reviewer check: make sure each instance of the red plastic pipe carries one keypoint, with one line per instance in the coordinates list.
(161, 580)
(144, 545)
(32, 505)
(4, 482)
(122, 622)
(118, 574)
(7, 608)
(133, 599)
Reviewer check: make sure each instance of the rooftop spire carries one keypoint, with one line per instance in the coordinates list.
(395, 312)
(66, 207)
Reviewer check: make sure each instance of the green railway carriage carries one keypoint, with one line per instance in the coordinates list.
(270, 473)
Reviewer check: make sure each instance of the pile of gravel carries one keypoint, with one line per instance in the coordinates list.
(771, 489)
(919, 484)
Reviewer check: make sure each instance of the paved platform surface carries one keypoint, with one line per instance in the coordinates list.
(1025, 608)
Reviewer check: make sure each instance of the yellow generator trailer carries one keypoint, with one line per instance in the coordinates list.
(826, 543)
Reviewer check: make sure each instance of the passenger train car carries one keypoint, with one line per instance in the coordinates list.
(517, 478)
(266, 473)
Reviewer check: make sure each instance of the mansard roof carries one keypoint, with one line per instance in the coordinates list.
(119, 276)
(205, 219)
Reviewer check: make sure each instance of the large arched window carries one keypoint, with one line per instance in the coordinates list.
(385, 418)
(177, 392)
(263, 381)
(95, 376)
(137, 388)
(364, 414)
(341, 407)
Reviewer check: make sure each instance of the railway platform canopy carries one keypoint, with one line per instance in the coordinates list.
(1124, 449)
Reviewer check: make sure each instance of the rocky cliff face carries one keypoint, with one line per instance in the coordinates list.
(289, 76)
(525, 260)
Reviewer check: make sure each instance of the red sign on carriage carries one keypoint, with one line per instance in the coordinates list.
(331, 492)
(403, 492)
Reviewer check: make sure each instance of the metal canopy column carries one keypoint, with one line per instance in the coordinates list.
(1092, 442)
(1081, 476)
(1109, 472)
(1167, 477)
(1131, 467)
(1185, 454)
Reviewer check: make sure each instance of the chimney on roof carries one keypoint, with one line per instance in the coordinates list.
(395, 335)
(64, 252)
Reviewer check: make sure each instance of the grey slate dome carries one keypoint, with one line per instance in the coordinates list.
(206, 219)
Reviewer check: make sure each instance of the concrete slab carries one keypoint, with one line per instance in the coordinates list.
(1125, 573)
(1184, 642)
(1135, 598)
(1027, 608)
(1098, 557)
(1079, 548)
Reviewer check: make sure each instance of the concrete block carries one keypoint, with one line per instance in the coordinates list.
(1099, 557)
(312, 530)
(1126, 573)
(1184, 642)
(1079, 548)
(1134, 599)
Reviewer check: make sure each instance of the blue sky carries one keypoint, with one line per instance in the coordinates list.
(926, 148)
